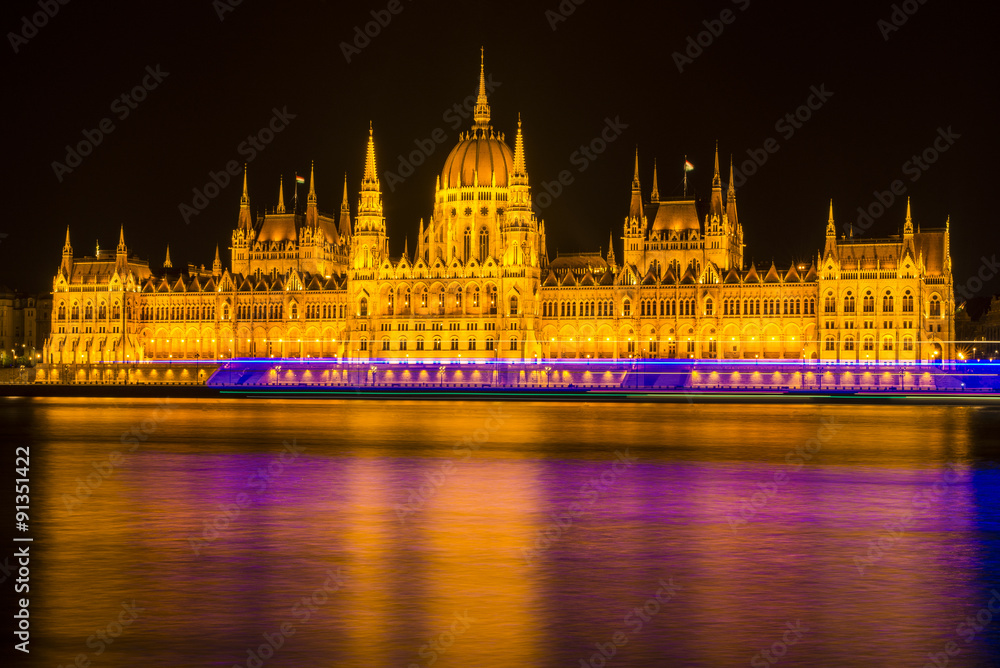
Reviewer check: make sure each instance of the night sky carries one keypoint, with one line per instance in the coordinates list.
(895, 90)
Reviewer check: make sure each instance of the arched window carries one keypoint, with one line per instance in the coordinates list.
(492, 291)
(62, 310)
(467, 246)
(454, 343)
(887, 343)
(829, 303)
(420, 343)
(294, 311)
(484, 244)
(402, 343)
(849, 343)
(869, 302)
(385, 343)
(887, 305)
(102, 311)
(907, 302)
(475, 297)
(626, 307)
(89, 313)
(437, 343)
(708, 307)
(513, 343)
(363, 307)
(849, 303)
(868, 343)
(935, 309)
(908, 343)
(829, 343)
(472, 344)
(513, 304)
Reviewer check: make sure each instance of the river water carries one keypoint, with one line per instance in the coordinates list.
(432, 533)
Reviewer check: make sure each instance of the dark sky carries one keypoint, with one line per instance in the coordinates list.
(611, 60)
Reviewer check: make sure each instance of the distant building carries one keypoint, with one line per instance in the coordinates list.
(480, 283)
(25, 321)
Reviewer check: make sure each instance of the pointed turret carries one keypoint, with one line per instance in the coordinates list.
(167, 264)
(519, 166)
(281, 196)
(655, 195)
(121, 253)
(611, 250)
(406, 249)
(715, 208)
(312, 213)
(908, 225)
(635, 207)
(831, 230)
(370, 205)
(345, 215)
(481, 113)
(217, 263)
(245, 222)
(66, 266)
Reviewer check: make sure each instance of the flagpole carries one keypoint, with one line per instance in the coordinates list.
(685, 168)
(295, 197)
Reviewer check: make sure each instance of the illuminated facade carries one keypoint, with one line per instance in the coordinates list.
(480, 284)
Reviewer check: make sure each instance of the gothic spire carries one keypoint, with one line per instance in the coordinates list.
(716, 179)
(167, 264)
(655, 195)
(345, 215)
(635, 207)
(217, 263)
(245, 220)
(371, 173)
(66, 246)
(908, 225)
(519, 167)
(281, 195)
(611, 249)
(831, 231)
(312, 214)
(732, 181)
(481, 113)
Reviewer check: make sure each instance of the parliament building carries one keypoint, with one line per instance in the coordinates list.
(480, 284)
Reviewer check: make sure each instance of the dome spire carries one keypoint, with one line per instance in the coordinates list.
(482, 111)
(371, 173)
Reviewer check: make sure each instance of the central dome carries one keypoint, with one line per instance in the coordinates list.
(478, 153)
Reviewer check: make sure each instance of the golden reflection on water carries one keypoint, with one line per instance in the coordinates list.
(443, 521)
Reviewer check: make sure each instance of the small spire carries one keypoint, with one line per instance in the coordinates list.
(830, 219)
(217, 263)
(167, 264)
(732, 180)
(406, 248)
(312, 182)
(716, 179)
(121, 236)
(245, 199)
(281, 195)
(611, 249)
(66, 245)
(908, 225)
(831, 230)
(655, 195)
(635, 175)
(344, 229)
